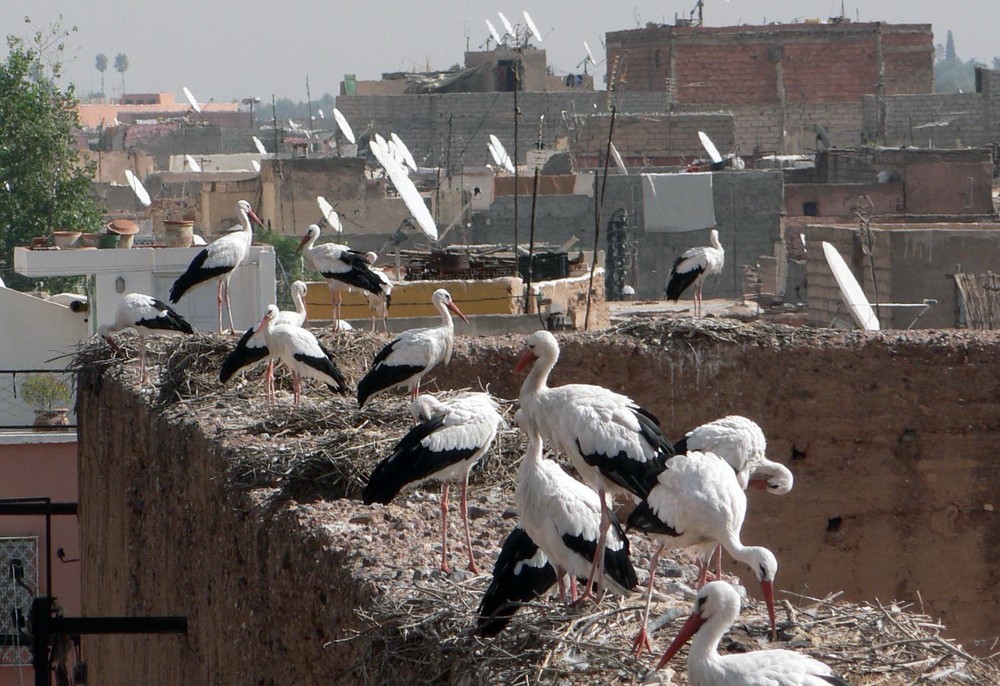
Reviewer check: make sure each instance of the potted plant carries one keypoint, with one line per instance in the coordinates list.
(49, 395)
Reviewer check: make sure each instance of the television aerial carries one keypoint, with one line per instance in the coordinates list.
(494, 33)
(260, 146)
(344, 127)
(329, 214)
(190, 98)
(618, 160)
(191, 162)
(532, 29)
(499, 154)
(405, 187)
(137, 188)
(404, 151)
(507, 26)
(854, 298)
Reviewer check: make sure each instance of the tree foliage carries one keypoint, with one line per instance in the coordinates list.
(121, 66)
(43, 185)
(101, 62)
(951, 74)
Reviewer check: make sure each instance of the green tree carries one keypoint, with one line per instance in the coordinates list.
(121, 66)
(949, 48)
(102, 65)
(43, 185)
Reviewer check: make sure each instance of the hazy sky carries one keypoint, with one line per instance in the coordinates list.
(226, 50)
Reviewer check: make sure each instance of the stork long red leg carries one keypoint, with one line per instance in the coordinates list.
(464, 506)
(444, 527)
(641, 641)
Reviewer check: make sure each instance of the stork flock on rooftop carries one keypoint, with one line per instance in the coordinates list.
(686, 494)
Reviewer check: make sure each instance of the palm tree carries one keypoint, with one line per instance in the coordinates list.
(121, 66)
(102, 64)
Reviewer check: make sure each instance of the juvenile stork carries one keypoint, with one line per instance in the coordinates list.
(219, 260)
(611, 441)
(693, 266)
(340, 266)
(715, 610)
(146, 315)
(451, 438)
(413, 353)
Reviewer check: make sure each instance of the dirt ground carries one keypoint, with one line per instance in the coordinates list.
(205, 501)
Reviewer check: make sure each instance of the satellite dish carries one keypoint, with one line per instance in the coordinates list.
(345, 128)
(502, 158)
(713, 152)
(507, 26)
(405, 187)
(256, 165)
(260, 146)
(329, 214)
(850, 291)
(190, 99)
(618, 160)
(404, 151)
(531, 27)
(320, 113)
(137, 188)
(195, 167)
(590, 55)
(822, 136)
(494, 32)
(293, 126)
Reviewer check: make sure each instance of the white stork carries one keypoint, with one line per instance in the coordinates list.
(379, 303)
(218, 261)
(340, 266)
(300, 351)
(413, 353)
(252, 347)
(611, 441)
(693, 266)
(715, 610)
(521, 573)
(450, 439)
(146, 315)
(564, 518)
(741, 443)
(696, 501)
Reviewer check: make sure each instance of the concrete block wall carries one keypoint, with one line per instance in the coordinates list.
(656, 138)
(791, 129)
(937, 120)
(826, 305)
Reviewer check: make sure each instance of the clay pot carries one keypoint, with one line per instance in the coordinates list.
(178, 233)
(66, 239)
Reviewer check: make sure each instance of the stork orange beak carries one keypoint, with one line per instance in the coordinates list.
(689, 629)
(454, 308)
(767, 588)
(527, 357)
(253, 216)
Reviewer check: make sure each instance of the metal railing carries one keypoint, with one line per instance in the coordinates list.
(39, 399)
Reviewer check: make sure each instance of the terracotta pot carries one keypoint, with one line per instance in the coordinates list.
(57, 416)
(66, 239)
(178, 233)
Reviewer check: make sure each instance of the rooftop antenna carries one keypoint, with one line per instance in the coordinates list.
(850, 291)
(191, 99)
(405, 187)
(329, 214)
(344, 127)
(589, 58)
(494, 33)
(191, 162)
(507, 26)
(713, 152)
(136, 185)
(260, 146)
(532, 29)
(404, 151)
(499, 154)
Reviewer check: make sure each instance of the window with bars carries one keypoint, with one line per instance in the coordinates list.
(18, 576)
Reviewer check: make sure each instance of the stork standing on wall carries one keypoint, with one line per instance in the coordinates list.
(413, 353)
(252, 347)
(715, 610)
(146, 315)
(696, 501)
(300, 351)
(693, 266)
(451, 438)
(611, 441)
(340, 266)
(218, 261)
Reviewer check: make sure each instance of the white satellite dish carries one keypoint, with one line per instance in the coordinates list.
(260, 146)
(507, 26)
(320, 113)
(502, 158)
(850, 290)
(618, 160)
(329, 214)
(710, 148)
(345, 128)
(256, 165)
(494, 32)
(404, 151)
(190, 99)
(191, 162)
(590, 55)
(137, 188)
(405, 187)
(531, 26)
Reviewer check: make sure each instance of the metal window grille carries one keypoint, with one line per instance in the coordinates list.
(19, 564)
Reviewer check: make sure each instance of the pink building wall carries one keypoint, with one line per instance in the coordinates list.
(38, 464)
